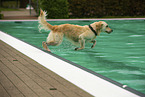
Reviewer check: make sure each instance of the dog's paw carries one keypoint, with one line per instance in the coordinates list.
(92, 46)
(76, 48)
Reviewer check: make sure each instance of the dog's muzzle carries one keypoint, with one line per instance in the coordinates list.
(109, 31)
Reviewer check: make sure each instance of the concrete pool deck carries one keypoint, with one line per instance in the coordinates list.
(24, 14)
(19, 14)
(23, 77)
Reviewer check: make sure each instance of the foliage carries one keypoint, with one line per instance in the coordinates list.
(100, 8)
(9, 4)
(55, 8)
(1, 15)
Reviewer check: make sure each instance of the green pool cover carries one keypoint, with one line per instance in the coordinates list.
(119, 55)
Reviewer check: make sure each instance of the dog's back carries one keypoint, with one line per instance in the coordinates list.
(70, 31)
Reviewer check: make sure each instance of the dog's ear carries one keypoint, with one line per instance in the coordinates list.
(99, 25)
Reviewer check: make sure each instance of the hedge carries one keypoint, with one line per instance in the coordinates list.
(92, 8)
(55, 8)
(1, 15)
(100, 8)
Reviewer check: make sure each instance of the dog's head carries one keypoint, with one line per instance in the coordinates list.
(102, 26)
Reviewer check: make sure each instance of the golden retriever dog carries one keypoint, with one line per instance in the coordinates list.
(78, 35)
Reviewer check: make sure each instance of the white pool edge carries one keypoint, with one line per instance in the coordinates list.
(90, 83)
(81, 19)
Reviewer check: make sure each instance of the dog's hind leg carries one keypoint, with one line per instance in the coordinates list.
(44, 44)
(94, 43)
(82, 44)
(53, 39)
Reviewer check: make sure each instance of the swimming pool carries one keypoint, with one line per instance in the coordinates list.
(119, 55)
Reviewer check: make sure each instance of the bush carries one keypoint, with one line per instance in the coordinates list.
(55, 8)
(1, 15)
(85, 8)
(100, 8)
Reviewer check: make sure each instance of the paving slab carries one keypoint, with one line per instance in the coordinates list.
(20, 14)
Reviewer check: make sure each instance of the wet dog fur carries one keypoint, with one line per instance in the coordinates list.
(78, 35)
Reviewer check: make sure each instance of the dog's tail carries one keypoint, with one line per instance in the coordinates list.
(43, 24)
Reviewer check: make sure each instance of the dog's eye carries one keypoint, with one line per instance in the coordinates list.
(107, 26)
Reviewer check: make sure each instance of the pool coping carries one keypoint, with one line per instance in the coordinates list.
(80, 19)
(86, 70)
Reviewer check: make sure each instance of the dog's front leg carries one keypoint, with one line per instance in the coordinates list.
(94, 43)
(82, 43)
